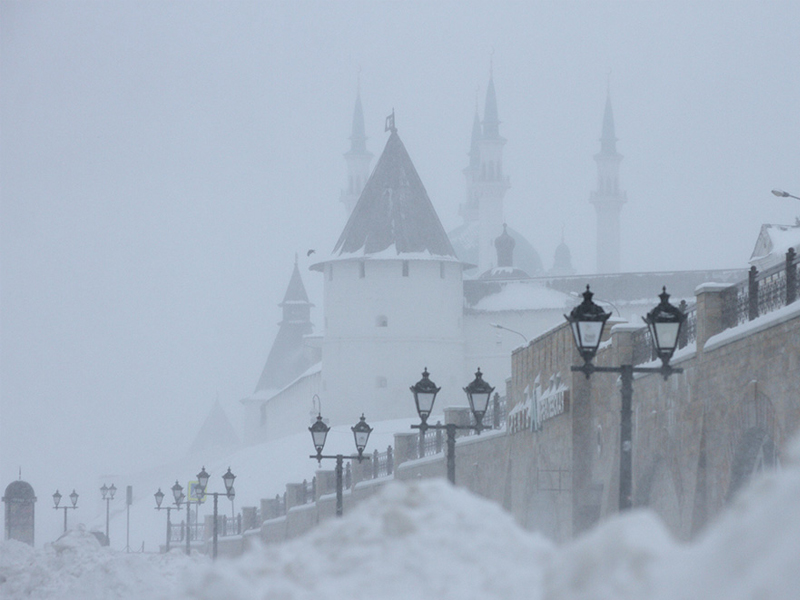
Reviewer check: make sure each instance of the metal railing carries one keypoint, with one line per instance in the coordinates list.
(759, 294)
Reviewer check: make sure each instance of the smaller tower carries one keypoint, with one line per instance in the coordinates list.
(289, 356)
(19, 514)
(609, 197)
(562, 260)
(358, 159)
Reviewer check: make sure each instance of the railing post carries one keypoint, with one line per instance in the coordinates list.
(683, 338)
(389, 461)
(791, 276)
(496, 411)
(438, 438)
(375, 470)
(752, 293)
(348, 477)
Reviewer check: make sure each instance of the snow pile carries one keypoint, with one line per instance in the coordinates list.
(418, 540)
(76, 567)
(426, 539)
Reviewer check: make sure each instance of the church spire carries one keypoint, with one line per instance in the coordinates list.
(358, 158)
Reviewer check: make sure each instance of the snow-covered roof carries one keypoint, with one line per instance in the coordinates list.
(772, 244)
(394, 216)
(523, 295)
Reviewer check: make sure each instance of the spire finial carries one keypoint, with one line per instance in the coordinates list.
(491, 63)
(389, 126)
(295, 264)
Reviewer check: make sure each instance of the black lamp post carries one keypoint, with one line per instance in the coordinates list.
(108, 496)
(57, 499)
(179, 496)
(319, 433)
(202, 482)
(159, 495)
(478, 394)
(587, 321)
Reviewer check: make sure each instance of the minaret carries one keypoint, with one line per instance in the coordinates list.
(469, 209)
(608, 198)
(490, 185)
(358, 159)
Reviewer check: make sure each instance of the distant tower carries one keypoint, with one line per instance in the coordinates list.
(608, 198)
(288, 357)
(358, 159)
(469, 209)
(490, 185)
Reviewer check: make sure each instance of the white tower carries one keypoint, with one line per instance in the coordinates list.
(393, 300)
(489, 183)
(608, 198)
(358, 159)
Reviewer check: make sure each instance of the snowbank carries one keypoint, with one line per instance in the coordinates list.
(426, 539)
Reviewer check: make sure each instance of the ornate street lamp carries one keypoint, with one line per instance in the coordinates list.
(159, 496)
(179, 496)
(73, 497)
(664, 321)
(587, 321)
(202, 482)
(478, 394)
(319, 434)
(424, 395)
(108, 496)
(361, 433)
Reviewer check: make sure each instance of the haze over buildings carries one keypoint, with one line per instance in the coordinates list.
(162, 164)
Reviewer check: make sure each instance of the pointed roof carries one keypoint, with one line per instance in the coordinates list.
(296, 291)
(394, 210)
(358, 137)
(288, 356)
(491, 122)
(216, 434)
(608, 140)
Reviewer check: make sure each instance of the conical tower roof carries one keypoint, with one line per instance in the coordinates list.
(394, 211)
(296, 291)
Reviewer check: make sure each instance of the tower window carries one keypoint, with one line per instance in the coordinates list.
(330, 272)
(381, 321)
(362, 269)
(441, 270)
(381, 382)
(405, 268)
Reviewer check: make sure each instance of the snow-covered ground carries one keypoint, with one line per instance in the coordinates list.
(427, 539)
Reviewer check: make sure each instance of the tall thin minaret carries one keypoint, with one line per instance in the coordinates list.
(469, 208)
(358, 159)
(491, 184)
(608, 198)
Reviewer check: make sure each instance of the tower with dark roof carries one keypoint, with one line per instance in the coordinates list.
(288, 358)
(358, 159)
(609, 197)
(393, 298)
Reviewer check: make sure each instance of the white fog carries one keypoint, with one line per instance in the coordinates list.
(164, 166)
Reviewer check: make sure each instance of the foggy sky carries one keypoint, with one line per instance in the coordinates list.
(162, 163)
